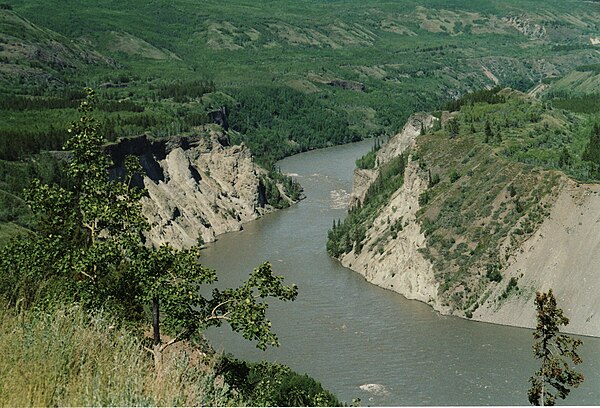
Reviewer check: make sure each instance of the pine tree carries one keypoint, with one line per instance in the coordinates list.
(592, 151)
(489, 134)
(553, 349)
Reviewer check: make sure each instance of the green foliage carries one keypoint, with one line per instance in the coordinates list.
(592, 151)
(454, 176)
(280, 121)
(345, 237)
(490, 193)
(172, 59)
(278, 189)
(583, 104)
(490, 96)
(88, 246)
(493, 272)
(368, 160)
(71, 357)
(185, 91)
(271, 384)
(555, 377)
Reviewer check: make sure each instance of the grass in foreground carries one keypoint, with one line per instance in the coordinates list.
(69, 358)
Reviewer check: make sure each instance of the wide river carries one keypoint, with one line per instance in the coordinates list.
(347, 333)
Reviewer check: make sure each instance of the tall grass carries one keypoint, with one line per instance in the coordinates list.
(71, 358)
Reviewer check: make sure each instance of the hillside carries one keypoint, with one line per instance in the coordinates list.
(33, 54)
(370, 65)
(483, 203)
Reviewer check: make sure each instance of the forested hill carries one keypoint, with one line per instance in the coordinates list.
(370, 64)
(289, 76)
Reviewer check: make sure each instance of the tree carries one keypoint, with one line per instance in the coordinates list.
(553, 349)
(489, 134)
(90, 241)
(592, 151)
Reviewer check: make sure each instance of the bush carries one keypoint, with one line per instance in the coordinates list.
(493, 272)
(270, 384)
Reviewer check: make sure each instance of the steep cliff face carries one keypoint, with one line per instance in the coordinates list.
(198, 186)
(393, 259)
(476, 235)
(562, 255)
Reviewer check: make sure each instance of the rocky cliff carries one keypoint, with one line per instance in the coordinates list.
(198, 186)
(396, 263)
(480, 240)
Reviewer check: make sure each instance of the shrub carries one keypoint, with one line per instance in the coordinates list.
(273, 384)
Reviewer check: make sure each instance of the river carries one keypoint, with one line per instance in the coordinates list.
(347, 333)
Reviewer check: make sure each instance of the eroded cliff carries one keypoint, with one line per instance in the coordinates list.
(474, 233)
(198, 186)
(390, 255)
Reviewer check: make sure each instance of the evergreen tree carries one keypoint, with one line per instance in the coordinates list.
(592, 151)
(553, 349)
(564, 160)
(489, 134)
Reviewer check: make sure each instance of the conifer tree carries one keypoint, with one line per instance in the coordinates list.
(592, 151)
(555, 376)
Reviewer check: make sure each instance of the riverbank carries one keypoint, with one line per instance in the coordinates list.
(348, 333)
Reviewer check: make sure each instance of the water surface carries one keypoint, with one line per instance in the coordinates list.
(348, 333)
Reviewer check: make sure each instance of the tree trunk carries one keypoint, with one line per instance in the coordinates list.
(157, 349)
(156, 320)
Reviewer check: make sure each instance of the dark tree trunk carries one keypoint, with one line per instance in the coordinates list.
(155, 320)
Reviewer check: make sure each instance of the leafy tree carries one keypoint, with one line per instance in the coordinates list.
(90, 243)
(553, 349)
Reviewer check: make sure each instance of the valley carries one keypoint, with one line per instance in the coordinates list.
(231, 131)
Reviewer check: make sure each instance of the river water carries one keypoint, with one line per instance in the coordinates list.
(347, 333)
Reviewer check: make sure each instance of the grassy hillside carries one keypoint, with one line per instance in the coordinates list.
(68, 357)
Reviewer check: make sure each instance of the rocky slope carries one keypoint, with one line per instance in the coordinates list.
(563, 254)
(547, 237)
(198, 186)
(396, 264)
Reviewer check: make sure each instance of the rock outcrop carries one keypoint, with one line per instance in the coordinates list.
(562, 252)
(525, 26)
(198, 186)
(396, 263)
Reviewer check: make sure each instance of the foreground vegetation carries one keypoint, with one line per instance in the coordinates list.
(87, 248)
(71, 357)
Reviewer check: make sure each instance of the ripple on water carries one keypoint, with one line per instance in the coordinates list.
(339, 199)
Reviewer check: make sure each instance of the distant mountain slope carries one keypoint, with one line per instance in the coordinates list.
(401, 56)
(31, 53)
